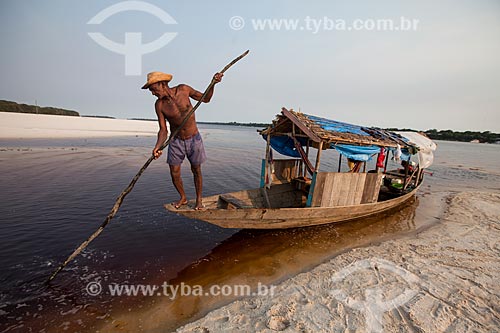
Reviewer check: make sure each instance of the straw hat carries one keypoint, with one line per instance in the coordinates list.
(154, 77)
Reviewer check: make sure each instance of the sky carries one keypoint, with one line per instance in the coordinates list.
(444, 74)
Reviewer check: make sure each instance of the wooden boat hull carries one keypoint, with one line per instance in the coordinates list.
(282, 218)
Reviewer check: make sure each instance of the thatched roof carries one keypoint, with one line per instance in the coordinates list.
(330, 131)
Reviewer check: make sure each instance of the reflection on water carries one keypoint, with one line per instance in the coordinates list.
(56, 192)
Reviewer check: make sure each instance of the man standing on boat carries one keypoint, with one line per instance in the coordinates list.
(172, 105)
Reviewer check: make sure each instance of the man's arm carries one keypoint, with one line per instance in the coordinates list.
(196, 95)
(162, 133)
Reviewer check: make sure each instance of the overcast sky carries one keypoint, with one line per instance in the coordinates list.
(444, 75)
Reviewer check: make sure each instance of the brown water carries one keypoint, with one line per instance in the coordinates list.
(55, 193)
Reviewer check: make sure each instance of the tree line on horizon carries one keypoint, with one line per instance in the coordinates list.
(9, 106)
(467, 136)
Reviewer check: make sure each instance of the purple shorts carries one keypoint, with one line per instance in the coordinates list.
(192, 148)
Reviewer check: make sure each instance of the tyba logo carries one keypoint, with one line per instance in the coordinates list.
(132, 49)
(374, 304)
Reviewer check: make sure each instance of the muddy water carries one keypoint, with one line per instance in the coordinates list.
(56, 192)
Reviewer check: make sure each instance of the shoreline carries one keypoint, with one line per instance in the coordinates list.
(42, 126)
(448, 269)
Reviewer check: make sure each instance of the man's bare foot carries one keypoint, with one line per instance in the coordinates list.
(199, 206)
(180, 203)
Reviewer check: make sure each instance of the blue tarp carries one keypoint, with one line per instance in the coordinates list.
(285, 146)
(337, 126)
(357, 153)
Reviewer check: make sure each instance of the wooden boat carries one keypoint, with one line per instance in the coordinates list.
(293, 193)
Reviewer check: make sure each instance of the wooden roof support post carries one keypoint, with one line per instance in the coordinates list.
(265, 161)
(307, 155)
(301, 163)
(407, 167)
(320, 148)
(266, 171)
(268, 150)
(313, 182)
(386, 160)
(300, 125)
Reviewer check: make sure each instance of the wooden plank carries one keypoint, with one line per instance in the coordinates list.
(341, 189)
(357, 188)
(318, 189)
(350, 191)
(328, 190)
(300, 125)
(288, 133)
(263, 173)
(235, 202)
(372, 187)
(343, 186)
(285, 169)
(279, 196)
(326, 196)
(376, 193)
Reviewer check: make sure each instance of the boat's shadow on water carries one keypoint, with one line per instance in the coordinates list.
(250, 257)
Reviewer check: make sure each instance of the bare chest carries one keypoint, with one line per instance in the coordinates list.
(175, 108)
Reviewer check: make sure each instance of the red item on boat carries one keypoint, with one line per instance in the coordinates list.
(381, 158)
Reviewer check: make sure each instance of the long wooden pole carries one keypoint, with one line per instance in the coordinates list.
(130, 186)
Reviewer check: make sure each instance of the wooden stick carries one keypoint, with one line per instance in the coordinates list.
(386, 161)
(307, 155)
(129, 188)
(318, 156)
(407, 165)
(266, 170)
(411, 177)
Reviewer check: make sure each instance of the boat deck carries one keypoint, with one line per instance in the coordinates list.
(278, 196)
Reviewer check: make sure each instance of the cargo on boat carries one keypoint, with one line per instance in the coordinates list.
(294, 192)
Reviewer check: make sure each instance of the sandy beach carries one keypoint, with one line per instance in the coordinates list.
(443, 280)
(31, 126)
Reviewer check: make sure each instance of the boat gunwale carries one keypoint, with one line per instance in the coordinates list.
(192, 212)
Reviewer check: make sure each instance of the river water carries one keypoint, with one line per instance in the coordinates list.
(55, 193)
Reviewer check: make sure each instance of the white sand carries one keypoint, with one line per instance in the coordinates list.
(445, 279)
(29, 126)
